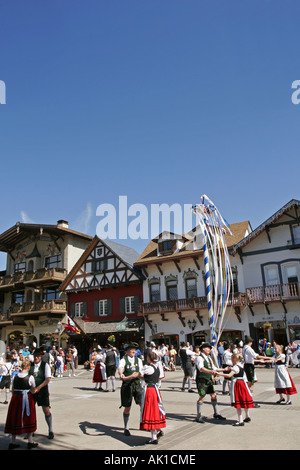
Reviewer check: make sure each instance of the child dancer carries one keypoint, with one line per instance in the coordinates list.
(240, 394)
(283, 382)
(152, 410)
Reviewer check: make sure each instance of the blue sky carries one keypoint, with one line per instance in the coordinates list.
(158, 100)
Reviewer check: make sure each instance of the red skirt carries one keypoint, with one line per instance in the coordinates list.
(242, 396)
(152, 417)
(16, 423)
(98, 376)
(288, 390)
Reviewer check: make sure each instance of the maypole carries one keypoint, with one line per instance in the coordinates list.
(218, 274)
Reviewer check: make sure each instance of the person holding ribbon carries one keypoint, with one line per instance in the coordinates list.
(21, 415)
(152, 409)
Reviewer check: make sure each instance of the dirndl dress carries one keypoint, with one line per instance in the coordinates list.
(283, 382)
(99, 375)
(240, 394)
(153, 415)
(21, 414)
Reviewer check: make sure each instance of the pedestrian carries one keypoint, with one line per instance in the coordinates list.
(220, 349)
(59, 364)
(152, 410)
(129, 371)
(283, 382)
(289, 352)
(99, 376)
(186, 355)
(226, 362)
(172, 355)
(205, 370)
(6, 370)
(240, 395)
(250, 356)
(270, 352)
(70, 362)
(110, 367)
(42, 375)
(21, 415)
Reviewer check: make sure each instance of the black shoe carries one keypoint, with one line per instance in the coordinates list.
(280, 401)
(32, 445)
(192, 391)
(238, 424)
(155, 442)
(51, 435)
(219, 417)
(247, 420)
(126, 432)
(160, 434)
(256, 405)
(13, 446)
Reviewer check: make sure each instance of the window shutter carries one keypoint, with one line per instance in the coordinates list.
(109, 306)
(96, 307)
(72, 309)
(84, 309)
(93, 266)
(122, 305)
(136, 303)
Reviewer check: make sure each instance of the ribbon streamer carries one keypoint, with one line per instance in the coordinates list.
(218, 273)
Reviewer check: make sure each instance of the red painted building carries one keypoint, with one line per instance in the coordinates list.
(104, 291)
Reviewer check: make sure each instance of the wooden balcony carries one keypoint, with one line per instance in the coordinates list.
(40, 307)
(32, 278)
(275, 293)
(180, 305)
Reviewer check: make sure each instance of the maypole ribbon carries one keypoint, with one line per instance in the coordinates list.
(218, 274)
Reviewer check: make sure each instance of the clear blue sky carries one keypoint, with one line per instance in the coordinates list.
(158, 100)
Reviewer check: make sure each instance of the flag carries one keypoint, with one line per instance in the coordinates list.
(70, 326)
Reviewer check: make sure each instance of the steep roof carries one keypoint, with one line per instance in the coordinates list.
(20, 231)
(293, 203)
(149, 255)
(126, 254)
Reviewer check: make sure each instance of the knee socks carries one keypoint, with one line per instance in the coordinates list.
(126, 420)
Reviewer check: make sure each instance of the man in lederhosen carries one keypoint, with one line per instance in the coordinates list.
(41, 371)
(205, 370)
(111, 367)
(131, 388)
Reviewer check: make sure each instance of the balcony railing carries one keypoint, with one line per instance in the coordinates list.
(38, 307)
(179, 305)
(11, 281)
(276, 292)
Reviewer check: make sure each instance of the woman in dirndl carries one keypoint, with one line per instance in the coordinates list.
(152, 410)
(21, 415)
(283, 382)
(240, 395)
(99, 376)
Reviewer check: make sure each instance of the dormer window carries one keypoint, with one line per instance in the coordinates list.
(167, 246)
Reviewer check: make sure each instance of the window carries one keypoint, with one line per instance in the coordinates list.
(272, 275)
(129, 305)
(79, 309)
(191, 288)
(171, 287)
(20, 267)
(51, 293)
(53, 262)
(154, 292)
(18, 297)
(103, 307)
(296, 233)
(99, 265)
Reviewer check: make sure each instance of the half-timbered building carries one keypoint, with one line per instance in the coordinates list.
(39, 257)
(104, 290)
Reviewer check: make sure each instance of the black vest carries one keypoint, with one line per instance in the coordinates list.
(110, 358)
(153, 378)
(186, 360)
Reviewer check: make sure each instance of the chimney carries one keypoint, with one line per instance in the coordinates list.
(63, 223)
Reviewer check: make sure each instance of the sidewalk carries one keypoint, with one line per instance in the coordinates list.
(86, 419)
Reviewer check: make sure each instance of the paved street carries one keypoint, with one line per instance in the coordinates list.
(85, 419)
